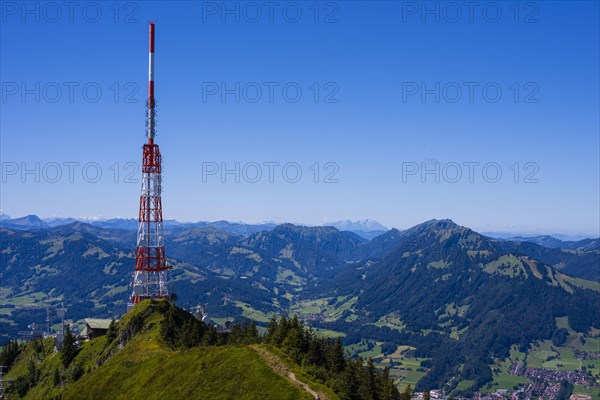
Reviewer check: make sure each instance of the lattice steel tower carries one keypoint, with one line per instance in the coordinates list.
(151, 278)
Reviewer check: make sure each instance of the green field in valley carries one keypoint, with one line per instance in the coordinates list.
(404, 368)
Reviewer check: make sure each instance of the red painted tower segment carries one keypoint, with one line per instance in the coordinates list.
(151, 278)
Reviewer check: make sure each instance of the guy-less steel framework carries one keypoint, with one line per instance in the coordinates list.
(151, 278)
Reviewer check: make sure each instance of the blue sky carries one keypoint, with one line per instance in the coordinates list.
(389, 91)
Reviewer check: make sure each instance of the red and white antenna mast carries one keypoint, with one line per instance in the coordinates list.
(151, 278)
(151, 103)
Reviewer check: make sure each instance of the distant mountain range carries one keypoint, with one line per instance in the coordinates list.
(437, 287)
(24, 223)
(530, 235)
(366, 228)
(552, 242)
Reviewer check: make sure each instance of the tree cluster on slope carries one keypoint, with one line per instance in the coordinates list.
(324, 359)
(9, 354)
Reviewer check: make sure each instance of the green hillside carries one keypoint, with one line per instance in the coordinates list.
(140, 364)
(225, 372)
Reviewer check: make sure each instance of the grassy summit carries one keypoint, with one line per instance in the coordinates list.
(141, 363)
(225, 372)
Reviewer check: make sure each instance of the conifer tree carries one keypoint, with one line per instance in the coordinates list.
(281, 331)
(252, 333)
(349, 383)
(271, 329)
(337, 356)
(407, 393)
(9, 353)
(369, 384)
(387, 389)
(69, 349)
(111, 335)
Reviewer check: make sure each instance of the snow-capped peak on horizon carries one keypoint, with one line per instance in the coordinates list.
(365, 225)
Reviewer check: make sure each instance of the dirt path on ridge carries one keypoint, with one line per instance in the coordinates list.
(280, 369)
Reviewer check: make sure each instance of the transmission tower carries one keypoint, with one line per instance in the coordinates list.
(151, 277)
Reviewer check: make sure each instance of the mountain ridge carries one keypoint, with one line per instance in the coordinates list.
(436, 277)
(440, 264)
